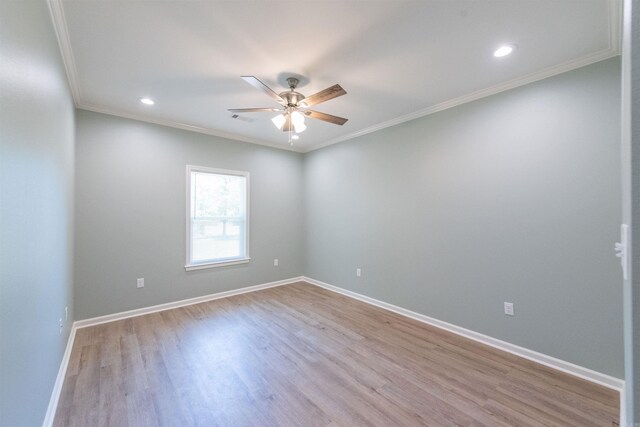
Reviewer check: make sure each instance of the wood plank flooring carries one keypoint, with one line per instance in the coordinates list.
(299, 355)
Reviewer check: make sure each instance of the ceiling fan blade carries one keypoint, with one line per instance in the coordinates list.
(326, 117)
(263, 87)
(324, 95)
(255, 110)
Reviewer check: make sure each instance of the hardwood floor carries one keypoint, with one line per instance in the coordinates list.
(298, 355)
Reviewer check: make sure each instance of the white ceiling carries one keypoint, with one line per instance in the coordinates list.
(397, 60)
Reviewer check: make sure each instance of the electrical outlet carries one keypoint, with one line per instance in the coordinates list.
(358, 272)
(66, 314)
(60, 325)
(508, 308)
(275, 262)
(140, 283)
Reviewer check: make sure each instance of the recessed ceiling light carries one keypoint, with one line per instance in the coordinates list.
(295, 137)
(147, 101)
(503, 51)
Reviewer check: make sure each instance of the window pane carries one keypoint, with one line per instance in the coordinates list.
(218, 216)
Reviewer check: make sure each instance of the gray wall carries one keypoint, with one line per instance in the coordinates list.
(36, 207)
(130, 213)
(515, 197)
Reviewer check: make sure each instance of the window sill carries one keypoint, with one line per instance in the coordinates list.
(191, 267)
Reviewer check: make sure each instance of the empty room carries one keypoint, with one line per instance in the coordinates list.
(319, 213)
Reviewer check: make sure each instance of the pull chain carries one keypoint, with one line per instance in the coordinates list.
(290, 126)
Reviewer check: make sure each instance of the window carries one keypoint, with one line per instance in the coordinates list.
(217, 217)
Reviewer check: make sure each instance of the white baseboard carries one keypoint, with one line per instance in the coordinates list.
(57, 386)
(168, 306)
(62, 372)
(552, 362)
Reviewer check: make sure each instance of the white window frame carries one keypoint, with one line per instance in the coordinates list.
(230, 261)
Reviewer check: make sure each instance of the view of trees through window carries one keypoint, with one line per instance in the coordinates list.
(218, 217)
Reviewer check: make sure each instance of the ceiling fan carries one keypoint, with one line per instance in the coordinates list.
(294, 106)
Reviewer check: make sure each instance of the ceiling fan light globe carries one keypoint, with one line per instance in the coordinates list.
(297, 118)
(300, 127)
(279, 121)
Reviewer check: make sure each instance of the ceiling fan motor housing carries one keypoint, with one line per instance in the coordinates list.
(292, 97)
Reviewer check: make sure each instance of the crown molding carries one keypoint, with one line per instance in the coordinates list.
(614, 11)
(186, 126)
(60, 27)
(62, 33)
(473, 96)
(56, 9)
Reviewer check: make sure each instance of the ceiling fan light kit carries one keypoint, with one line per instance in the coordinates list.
(294, 106)
(279, 120)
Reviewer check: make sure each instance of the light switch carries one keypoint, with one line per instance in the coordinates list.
(622, 250)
